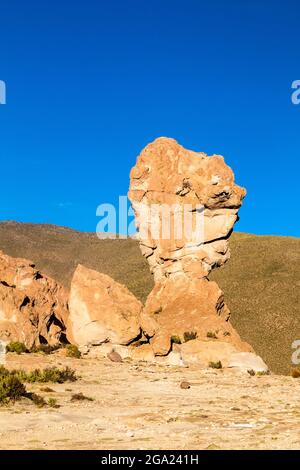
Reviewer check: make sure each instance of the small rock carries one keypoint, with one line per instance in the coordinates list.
(185, 385)
(114, 357)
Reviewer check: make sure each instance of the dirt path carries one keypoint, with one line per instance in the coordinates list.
(143, 407)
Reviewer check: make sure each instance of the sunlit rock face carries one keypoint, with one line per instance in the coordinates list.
(33, 307)
(185, 205)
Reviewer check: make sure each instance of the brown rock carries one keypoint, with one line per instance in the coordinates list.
(114, 357)
(185, 204)
(33, 307)
(167, 180)
(185, 385)
(101, 310)
(182, 305)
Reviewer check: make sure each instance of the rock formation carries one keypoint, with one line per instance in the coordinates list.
(101, 310)
(185, 205)
(190, 184)
(33, 307)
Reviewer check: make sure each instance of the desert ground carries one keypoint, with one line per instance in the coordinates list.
(142, 406)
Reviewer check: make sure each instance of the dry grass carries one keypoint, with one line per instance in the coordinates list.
(261, 281)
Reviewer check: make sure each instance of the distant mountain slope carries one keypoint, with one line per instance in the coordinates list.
(261, 281)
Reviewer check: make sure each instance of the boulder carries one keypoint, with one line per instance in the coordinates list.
(202, 353)
(247, 361)
(101, 310)
(33, 307)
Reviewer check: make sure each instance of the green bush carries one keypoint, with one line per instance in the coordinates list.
(52, 402)
(189, 335)
(11, 389)
(16, 347)
(50, 374)
(73, 351)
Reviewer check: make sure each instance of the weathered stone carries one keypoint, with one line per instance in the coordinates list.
(182, 306)
(101, 310)
(203, 352)
(185, 205)
(114, 357)
(247, 361)
(33, 307)
(168, 177)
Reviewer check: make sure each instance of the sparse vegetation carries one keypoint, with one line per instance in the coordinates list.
(52, 402)
(50, 374)
(295, 372)
(189, 335)
(73, 351)
(261, 373)
(211, 335)
(215, 365)
(11, 389)
(80, 397)
(16, 347)
(175, 340)
(45, 348)
(47, 390)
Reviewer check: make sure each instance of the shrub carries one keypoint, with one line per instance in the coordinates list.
(211, 334)
(11, 389)
(81, 397)
(73, 351)
(189, 335)
(216, 365)
(175, 339)
(45, 348)
(295, 373)
(52, 402)
(16, 347)
(261, 373)
(36, 399)
(50, 374)
(251, 372)
(47, 390)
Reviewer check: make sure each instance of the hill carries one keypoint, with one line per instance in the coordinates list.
(261, 280)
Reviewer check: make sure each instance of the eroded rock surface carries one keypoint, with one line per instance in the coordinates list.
(33, 307)
(101, 310)
(185, 204)
(192, 185)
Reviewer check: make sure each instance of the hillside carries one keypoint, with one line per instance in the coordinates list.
(261, 281)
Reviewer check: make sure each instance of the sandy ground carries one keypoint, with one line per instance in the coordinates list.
(141, 406)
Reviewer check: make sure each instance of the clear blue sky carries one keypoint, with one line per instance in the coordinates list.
(90, 83)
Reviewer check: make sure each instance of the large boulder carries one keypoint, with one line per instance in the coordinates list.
(101, 310)
(33, 307)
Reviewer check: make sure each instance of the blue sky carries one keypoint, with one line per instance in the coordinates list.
(90, 83)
